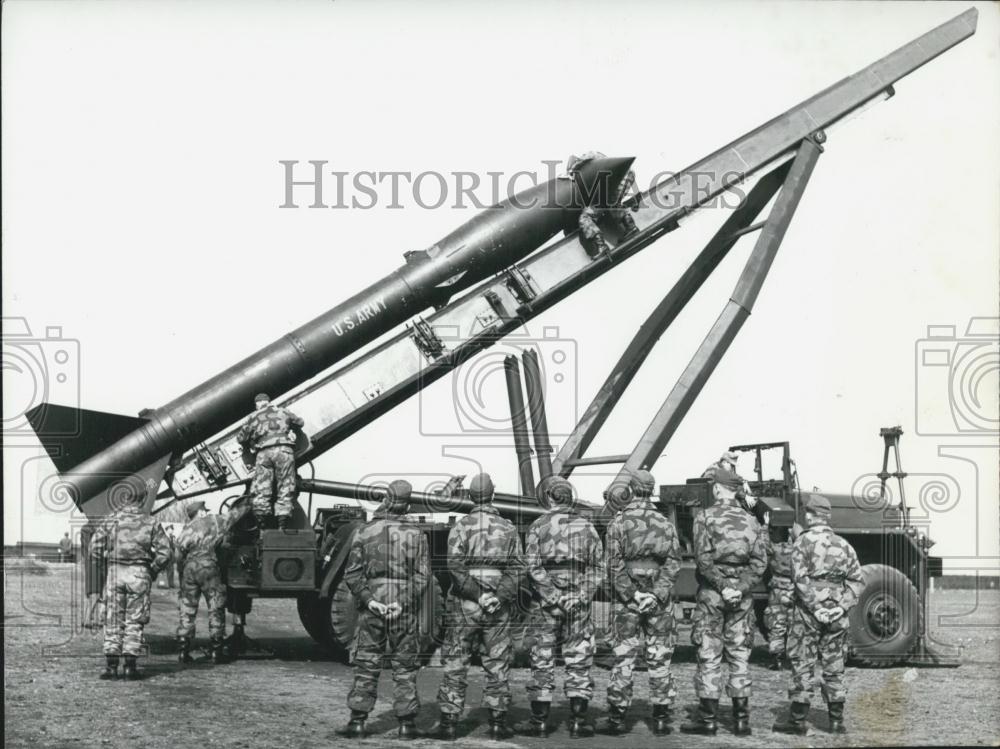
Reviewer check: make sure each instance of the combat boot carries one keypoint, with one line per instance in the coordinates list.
(796, 723)
(777, 662)
(615, 725)
(741, 716)
(408, 727)
(110, 668)
(661, 720)
(537, 724)
(130, 672)
(836, 712)
(446, 727)
(355, 728)
(579, 726)
(218, 649)
(498, 725)
(283, 521)
(704, 722)
(184, 650)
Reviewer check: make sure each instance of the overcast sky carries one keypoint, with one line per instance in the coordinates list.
(142, 186)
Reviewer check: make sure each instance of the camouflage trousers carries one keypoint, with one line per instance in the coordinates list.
(777, 616)
(810, 642)
(590, 216)
(375, 638)
(546, 628)
(201, 578)
(126, 597)
(470, 625)
(721, 632)
(273, 481)
(629, 629)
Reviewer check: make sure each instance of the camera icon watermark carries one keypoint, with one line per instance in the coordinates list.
(926, 493)
(479, 406)
(958, 380)
(38, 371)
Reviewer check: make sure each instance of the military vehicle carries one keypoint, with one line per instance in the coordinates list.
(180, 444)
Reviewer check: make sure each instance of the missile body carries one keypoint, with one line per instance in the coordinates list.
(490, 242)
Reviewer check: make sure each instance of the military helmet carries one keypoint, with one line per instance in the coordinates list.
(728, 479)
(261, 397)
(818, 505)
(397, 499)
(194, 508)
(619, 494)
(481, 488)
(557, 489)
(642, 483)
(730, 456)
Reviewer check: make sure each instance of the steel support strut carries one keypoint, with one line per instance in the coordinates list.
(536, 409)
(519, 425)
(712, 349)
(660, 319)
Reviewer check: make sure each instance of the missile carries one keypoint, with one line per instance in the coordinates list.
(94, 451)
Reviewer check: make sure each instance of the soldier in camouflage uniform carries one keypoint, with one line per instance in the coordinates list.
(136, 548)
(196, 550)
(486, 566)
(388, 570)
(731, 555)
(781, 593)
(270, 434)
(565, 567)
(643, 563)
(827, 578)
(594, 239)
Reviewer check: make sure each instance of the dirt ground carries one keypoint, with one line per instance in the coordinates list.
(296, 697)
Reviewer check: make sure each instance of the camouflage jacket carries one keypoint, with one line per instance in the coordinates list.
(131, 537)
(387, 547)
(730, 547)
(202, 536)
(562, 550)
(484, 539)
(639, 533)
(779, 555)
(825, 570)
(270, 427)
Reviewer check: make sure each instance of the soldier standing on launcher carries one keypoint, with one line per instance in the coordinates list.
(485, 561)
(388, 569)
(781, 592)
(197, 550)
(828, 582)
(565, 566)
(270, 434)
(731, 555)
(643, 563)
(137, 548)
(591, 214)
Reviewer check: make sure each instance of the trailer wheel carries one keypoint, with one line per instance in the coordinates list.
(885, 623)
(759, 606)
(337, 620)
(311, 615)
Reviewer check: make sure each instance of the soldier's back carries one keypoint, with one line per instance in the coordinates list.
(730, 531)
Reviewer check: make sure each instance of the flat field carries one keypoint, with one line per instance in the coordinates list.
(296, 697)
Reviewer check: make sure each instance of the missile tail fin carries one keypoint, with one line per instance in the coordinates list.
(71, 435)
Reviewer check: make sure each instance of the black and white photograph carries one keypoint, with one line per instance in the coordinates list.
(491, 374)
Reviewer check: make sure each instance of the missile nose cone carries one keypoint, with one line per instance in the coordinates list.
(618, 167)
(600, 178)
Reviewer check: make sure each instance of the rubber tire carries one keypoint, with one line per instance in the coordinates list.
(311, 615)
(759, 605)
(332, 621)
(868, 647)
